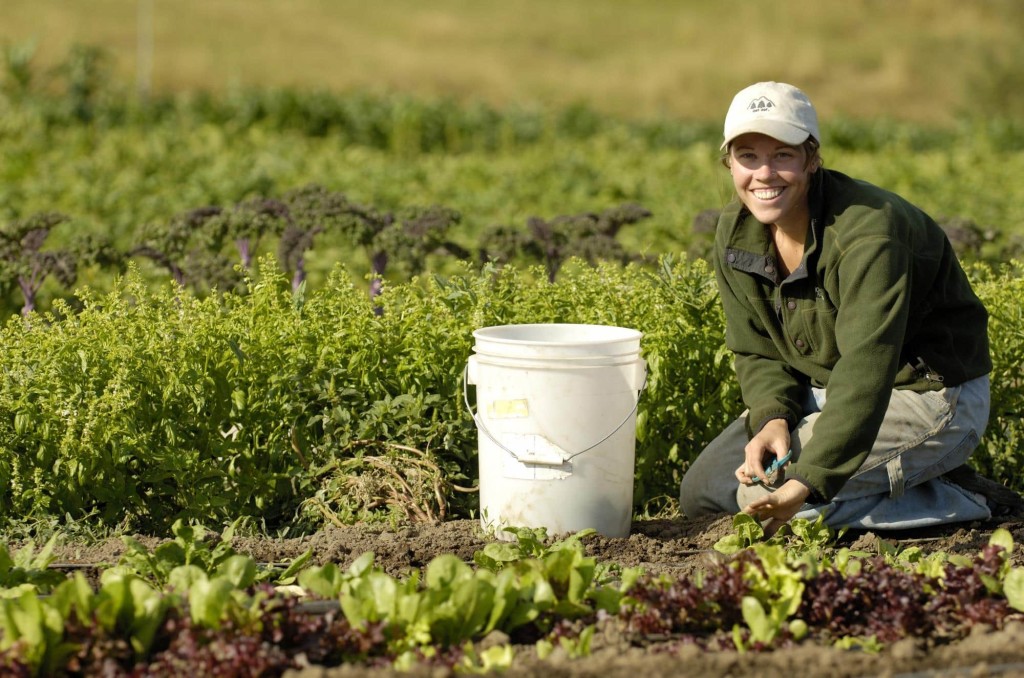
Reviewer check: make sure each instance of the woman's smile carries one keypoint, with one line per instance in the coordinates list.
(768, 193)
(772, 179)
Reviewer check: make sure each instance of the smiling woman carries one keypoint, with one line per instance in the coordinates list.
(920, 61)
(860, 347)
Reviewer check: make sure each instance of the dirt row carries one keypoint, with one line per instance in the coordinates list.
(676, 548)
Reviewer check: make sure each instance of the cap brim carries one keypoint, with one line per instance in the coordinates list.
(776, 129)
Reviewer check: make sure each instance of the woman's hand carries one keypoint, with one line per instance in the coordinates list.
(773, 439)
(774, 509)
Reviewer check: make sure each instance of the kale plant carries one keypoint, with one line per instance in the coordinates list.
(23, 259)
(403, 239)
(589, 236)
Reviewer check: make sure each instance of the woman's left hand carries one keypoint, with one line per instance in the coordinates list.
(775, 509)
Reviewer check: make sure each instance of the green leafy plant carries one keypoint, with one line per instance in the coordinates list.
(528, 584)
(136, 407)
(586, 236)
(28, 569)
(189, 555)
(24, 261)
(402, 239)
(36, 629)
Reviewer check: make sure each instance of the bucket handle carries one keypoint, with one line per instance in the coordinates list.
(480, 424)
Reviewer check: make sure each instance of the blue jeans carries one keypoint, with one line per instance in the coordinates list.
(898, 486)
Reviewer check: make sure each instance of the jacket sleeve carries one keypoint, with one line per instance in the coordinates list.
(771, 389)
(873, 309)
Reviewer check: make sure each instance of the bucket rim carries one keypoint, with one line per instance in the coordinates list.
(492, 334)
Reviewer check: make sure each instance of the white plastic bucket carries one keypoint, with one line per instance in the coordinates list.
(556, 418)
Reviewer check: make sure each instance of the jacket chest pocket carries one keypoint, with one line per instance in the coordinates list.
(814, 322)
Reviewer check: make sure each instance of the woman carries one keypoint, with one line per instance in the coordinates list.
(860, 348)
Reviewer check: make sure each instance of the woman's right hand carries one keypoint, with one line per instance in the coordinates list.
(773, 440)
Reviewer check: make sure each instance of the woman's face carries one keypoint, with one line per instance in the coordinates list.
(772, 179)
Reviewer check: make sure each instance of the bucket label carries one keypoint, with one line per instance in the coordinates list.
(535, 458)
(517, 470)
(508, 409)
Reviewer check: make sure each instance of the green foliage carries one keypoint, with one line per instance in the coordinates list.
(124, 608)
(1001, 290)
(25, 263)
(299, 408)
(137, 407)
(1013, 587)
(190, 551)
(27, 568)
(585, 236)
(530, 589)
(18, 75)
(527, 584)
(36, 628)
(135, 169)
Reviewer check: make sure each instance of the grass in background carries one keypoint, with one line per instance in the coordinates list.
(921, 60)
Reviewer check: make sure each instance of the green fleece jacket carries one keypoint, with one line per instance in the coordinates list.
(879, 302)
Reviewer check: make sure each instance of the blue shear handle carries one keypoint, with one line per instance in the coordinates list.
(774, 466)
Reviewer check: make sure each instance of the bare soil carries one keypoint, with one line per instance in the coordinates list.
(677, 548)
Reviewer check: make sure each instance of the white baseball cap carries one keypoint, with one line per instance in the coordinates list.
(779, 110)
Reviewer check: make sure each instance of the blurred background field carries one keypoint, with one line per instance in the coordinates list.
(122, 114)
(928, 61)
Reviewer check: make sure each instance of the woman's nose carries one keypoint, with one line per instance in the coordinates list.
(764, 171)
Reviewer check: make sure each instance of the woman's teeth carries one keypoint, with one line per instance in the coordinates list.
(767, 193)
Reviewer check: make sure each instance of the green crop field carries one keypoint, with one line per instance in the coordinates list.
(244, 246)
(282, 160)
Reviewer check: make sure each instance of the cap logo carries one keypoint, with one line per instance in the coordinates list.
(760, 105)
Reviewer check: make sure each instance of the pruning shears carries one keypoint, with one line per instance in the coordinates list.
(774, 467)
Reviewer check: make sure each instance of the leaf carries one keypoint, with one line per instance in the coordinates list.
(239, 569)
(580, 646)
(870, 644)
(361, 565)
(295, 567)
(369, 598)
(168, 556)
(22, 620)
(324, 581)
(114, 603)
(762, 627)
(184, 577)
(496, 554)
(747, 532)
(208, 599)
(473, 599)
(1002, 537)
(6, 563)
(384, 593)
(497, 659)
(75, 595)
(150, 607)
(558, 567)
(607, 599)
(446, 569)
(630, 576)
(185, 535)
(1013, 588)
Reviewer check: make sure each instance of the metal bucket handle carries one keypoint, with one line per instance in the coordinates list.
(480, 425)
